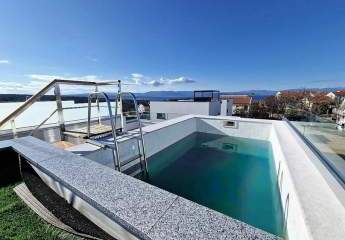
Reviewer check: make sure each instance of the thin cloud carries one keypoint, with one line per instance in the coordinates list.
(325, 81)
(38, 81)
(15, 87)
(4, 61)
(137, 78)
(156, 83)
(92, 59)
(181, 80)
(140, 79)
(45, 77)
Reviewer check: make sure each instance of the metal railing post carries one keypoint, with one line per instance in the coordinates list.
(89, 116)
(119, 105)
(98, 108)
(59, 108)
(14, 130)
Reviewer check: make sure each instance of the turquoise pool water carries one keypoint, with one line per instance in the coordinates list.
(231, 175)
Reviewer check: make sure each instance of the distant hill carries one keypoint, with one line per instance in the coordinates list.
(330, 89)
(256, 94)
(163, 95)
(24, 97)
(253, 92)
(154, 95)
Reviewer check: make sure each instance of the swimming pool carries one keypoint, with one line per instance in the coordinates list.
(126, 207)
(232, 175)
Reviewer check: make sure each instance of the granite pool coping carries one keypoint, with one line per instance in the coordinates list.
(317, 192)
(143, 210)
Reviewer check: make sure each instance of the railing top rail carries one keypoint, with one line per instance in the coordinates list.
(48, 87)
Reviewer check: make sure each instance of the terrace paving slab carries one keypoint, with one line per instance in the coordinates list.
(132, 203)
(6, 144)
(188, 220)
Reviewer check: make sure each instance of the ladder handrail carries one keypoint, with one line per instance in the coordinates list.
(112, 122)
(119, 97)
(140, 128)
(34, 98)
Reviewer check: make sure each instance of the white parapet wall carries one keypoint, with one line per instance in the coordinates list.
(246, 128)
(162, 135)
(161, 110)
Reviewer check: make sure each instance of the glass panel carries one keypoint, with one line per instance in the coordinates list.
(327, 137)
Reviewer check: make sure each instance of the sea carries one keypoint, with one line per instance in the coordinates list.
(39, 111)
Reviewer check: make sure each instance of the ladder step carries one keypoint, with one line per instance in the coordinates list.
(133, 170)
(136, 173)
(131, 159)
(96, 143)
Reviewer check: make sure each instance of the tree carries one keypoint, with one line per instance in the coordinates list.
(258, 110)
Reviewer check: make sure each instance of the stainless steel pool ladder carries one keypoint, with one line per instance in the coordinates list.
(115, 152)
(141, 156)
(140, 139)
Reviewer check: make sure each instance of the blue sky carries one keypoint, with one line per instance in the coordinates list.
(173, 45)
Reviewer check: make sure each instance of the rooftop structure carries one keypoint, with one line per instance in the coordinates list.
(239, 99)
(240, 102)
(204, 102)
(206, 96)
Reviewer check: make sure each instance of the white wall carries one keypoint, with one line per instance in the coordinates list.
(226, 107)
(167, 135)
(178, 108)
(214, 108)
(244, 128)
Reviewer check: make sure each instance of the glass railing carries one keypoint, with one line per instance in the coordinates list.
(327, 139)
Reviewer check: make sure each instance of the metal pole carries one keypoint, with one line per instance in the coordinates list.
(89, 115)
(113, 124)
(114, 121)
(14, 130)
(61, 119)
(98, 108)
(119, 102)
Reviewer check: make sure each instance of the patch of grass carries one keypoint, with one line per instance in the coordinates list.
(18, 222)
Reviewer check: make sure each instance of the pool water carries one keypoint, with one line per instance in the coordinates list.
(232, 175)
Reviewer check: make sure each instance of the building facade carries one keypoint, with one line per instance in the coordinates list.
(205, 102)
(240, 103)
